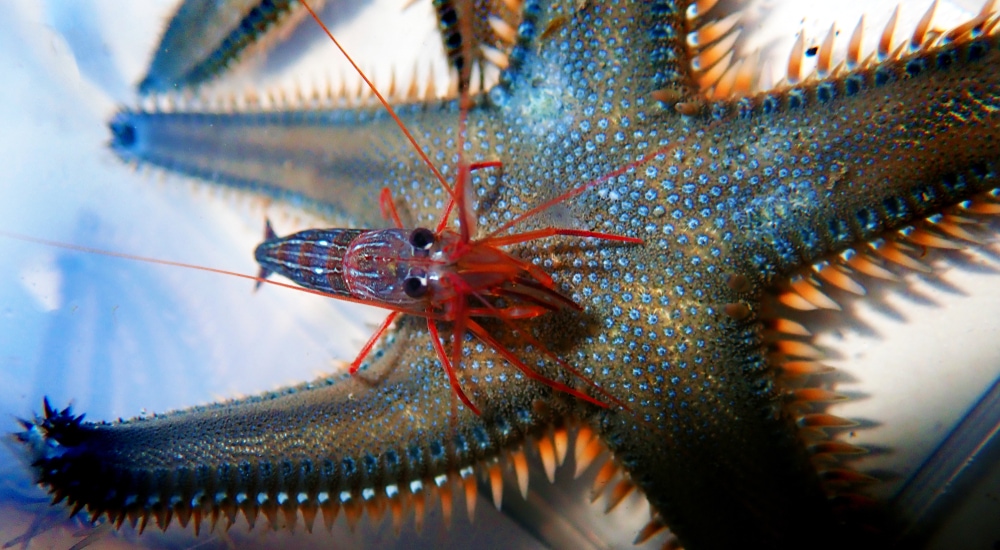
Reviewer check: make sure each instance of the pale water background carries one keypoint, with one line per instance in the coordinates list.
(119, 338)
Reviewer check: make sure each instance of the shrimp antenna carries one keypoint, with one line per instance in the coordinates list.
(382, 100)
(195, 267)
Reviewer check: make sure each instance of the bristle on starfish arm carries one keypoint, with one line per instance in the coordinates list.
(954, 229)
(476, 34)
(202, 40)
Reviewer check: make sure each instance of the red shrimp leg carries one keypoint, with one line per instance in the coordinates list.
(538, 273)
(484, 258)
(473, 166)
(562, 363)
(510, 312)
(458, 332)
(503, 265)
(356, 364)
(545, 351)
(446, 363)
(468, 217)
(459, 192)
(388, 207)
(547, 298)
(481, 333)
(525, 289)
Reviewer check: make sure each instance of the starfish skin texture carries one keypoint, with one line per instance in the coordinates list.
(750, 190)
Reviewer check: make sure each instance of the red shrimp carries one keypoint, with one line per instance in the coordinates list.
(442, 275)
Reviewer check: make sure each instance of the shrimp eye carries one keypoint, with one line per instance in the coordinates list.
(422, 238)
(415, 287)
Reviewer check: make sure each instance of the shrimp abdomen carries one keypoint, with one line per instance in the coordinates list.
(313, 258)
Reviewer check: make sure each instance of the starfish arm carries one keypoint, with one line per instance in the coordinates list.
(204, 38)
(334, 162)
(851, 161)
(476, 33)
(382, 437)
(653, 56)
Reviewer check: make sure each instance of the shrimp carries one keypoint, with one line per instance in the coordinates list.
(442, 275)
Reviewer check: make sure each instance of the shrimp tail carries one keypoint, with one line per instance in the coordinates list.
(264, 272)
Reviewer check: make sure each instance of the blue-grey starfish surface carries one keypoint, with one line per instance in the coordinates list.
(749, 205)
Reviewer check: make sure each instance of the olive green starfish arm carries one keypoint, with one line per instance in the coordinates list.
(385, 438)
(334, 162)
(206, 37)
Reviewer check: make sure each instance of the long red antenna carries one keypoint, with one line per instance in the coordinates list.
(388, 107)
(137, 258)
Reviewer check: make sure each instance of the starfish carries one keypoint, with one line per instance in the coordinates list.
(788, 193)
